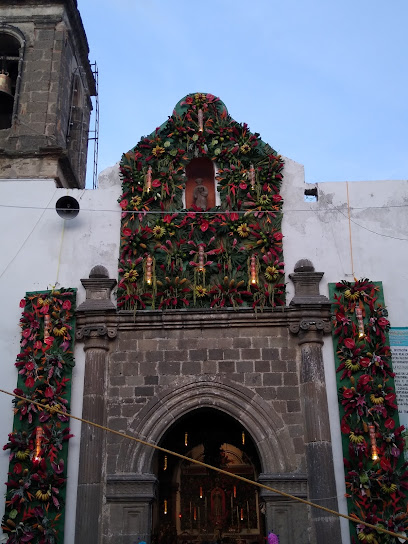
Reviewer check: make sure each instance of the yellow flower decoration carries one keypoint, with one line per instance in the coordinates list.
(135, 202)
(243, 230)
(200, 291)
(376, 400)
(263, 199)
(245, 148)
(158, 231)
(44, 302)
(157, 151)
(352, 366)
(43, 496)
(356, 438)
(392, 488)
(22, 455)
(352, 296)
(131, 275)
(271, 273)
(370, 538)
(59, 331)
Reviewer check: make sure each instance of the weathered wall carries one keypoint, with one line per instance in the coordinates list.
(49, 137)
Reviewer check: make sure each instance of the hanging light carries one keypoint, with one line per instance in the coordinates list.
(165, 463)
(149, 269)
(242, 514)
(149, 180)
(235, 491)
(195, 513)
(253, 270)
(186, 439)
(243, 438)
(374, 450)
(165, 506)
(201, 258)
(200, 120)
(201, 492)
(252, 175)
(359, 314)
(39, 433)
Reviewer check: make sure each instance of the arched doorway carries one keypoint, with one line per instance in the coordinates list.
(195, 504)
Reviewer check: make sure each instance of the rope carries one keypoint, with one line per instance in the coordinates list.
(354, 519)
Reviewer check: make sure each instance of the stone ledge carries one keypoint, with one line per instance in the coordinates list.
(293, 484)
(130, 488)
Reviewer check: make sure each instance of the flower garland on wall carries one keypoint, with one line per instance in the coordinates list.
(39, 442)
(227, 256)
(376, 475)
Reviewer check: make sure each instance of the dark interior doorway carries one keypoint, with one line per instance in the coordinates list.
(199, 505)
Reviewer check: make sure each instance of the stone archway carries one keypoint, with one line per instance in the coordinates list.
(133, 489)
(262, 422)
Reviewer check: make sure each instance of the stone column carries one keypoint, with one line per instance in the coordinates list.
(309, 322)
(96, 327)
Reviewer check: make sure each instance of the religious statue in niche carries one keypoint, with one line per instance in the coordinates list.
(200, 184)
(200, 194)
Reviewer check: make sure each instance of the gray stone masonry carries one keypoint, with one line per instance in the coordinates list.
(49, 135)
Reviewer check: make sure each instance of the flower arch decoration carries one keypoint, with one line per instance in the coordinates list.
(229, 255)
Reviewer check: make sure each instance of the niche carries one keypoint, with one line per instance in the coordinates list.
(9, 66)
(200, 168)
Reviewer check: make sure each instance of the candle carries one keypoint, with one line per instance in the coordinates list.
(359, 314)
(149, 179)
(38, 437)
(201, 258)
(252, 176)
(149, 263)
(200, 120)
(47, 326)
(253, 281)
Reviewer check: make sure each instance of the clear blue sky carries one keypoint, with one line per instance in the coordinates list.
(324, 82)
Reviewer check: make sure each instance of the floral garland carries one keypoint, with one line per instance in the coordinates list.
(376, 475)
(228, 256)
(39, 442)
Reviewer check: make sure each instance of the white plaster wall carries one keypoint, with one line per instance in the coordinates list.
(38, 249)
(374, 245)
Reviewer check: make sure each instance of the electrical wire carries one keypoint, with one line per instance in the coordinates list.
(157, 212)
(354, 519)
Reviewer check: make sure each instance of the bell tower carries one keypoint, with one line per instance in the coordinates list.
(46, 84)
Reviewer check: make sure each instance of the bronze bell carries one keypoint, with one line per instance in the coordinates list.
(5, 83)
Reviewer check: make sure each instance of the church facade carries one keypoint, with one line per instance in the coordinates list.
(212, 336)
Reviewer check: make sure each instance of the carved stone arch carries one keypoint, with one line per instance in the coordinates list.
(13, 31)
(262, 422)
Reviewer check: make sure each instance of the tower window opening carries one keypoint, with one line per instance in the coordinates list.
(9, 69)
